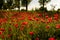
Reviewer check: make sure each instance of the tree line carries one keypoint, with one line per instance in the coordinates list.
(11, 4)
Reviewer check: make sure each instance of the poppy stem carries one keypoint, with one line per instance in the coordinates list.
(32, 38)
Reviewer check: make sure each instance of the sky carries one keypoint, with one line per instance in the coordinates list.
(35, 4)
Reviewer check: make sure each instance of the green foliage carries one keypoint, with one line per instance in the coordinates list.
(9, 3)
(58, 10)
(24, 2)
(43, 9)
(1, 4)
(23, 10)
(17, 3)
(44, 2)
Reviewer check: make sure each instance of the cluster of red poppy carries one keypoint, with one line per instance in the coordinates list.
(24, 24)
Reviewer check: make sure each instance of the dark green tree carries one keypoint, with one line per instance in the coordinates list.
(25, 3)
(1, 3)
(9, 3)
(5, 5)
(43, 2)
(17, 4)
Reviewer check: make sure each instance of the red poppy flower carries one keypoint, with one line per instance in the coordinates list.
(37, 38)
(5, 20)
(22, 18)
(9, 35)
(10, 29)
(56, 18)
(40, 15)
(16, 25)
(18, 19)
(13, 20)
(42, 20)
(1, 32)
(2, 36)
(12, 17)
(24, 23)
(56, 15)
(36, 19)
(58, 26)
(50, 19)
(46, 16)
(31, 33)
(0, 20)
(47, 27)
(2, 29)
(51, 38)
(22, 27)
(29, 18)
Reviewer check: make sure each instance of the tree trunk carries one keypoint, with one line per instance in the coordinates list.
(43, 8)
(43, 3)
(1, 4)
(20, 3)
(26, 5)
(17, 2)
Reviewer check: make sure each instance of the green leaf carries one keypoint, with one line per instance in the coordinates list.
(0, 39)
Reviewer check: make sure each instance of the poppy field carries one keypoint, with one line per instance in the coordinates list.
(29, 26)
